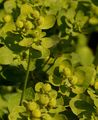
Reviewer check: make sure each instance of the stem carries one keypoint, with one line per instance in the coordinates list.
(46, 62)
(50, 65)
(26, 79)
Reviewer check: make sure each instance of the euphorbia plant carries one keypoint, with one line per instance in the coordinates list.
(47, 69)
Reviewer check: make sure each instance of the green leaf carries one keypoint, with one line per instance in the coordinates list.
(48, 42)
(8, 27)
(93, 96)
(12, 100)
(80, 19)
(85, 54)
(47, 21)
(26, 42)
(54, 80)
(81, 107)
(60, 117)
(70, 14)
(35, 53)
(89, 75)
(44, 51)
(59, 109)
(6, 56)
(29, 93)
(3, 103)
(64, 90)
(16, 113)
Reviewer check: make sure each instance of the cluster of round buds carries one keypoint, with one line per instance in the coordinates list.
(38, 108)
(46, 96)
(27, 25)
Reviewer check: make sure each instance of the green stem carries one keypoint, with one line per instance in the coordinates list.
(50, 66)
(46, 62)
(26, 79)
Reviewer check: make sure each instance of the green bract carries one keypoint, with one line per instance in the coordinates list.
(46, 22)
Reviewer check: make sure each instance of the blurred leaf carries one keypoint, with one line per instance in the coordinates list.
(48, 42)
(26, 42)
(48, 21)
(15, 113)
(6, 56)
(85, 54)
(9, 6)
(12, 100)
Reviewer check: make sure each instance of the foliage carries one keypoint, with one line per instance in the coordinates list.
(47, 69)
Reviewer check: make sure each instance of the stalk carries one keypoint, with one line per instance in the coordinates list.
(26, 79)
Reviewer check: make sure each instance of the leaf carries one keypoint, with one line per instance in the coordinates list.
(86, 55)
(54, 80)
(81, 107)
(12, 100)
(59, 109)
(64, 90)
(47, 22)
(26, 42)
(35, 53)
(8, 27)
(44, 51)
(15, 114)
(60, 117)
(60, 101)
(70, 14)
(93, 96)
(29, 93)
(48, 42)
(81, 19)
(3, 103)
(89, 75)
(6, 56)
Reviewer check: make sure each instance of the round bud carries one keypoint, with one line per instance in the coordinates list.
(32, 106)
(47, 87)
(52, 102)
(7, 18)
(19, 24)
(36, 113)
(44, 99)
(29, 25)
